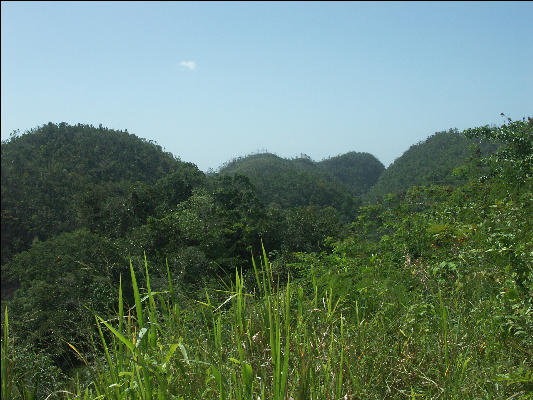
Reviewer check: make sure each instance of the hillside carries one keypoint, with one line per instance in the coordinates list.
(358, 171)
(51, 175)
(302, 182)
(79, 203)
(426, 294)
(429, 162)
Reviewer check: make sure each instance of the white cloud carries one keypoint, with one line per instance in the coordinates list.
(189, 64)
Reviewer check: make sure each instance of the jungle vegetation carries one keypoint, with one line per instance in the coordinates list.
(129, 274)
(431, 161)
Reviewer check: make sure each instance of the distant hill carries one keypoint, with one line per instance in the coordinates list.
(358, 171)
(302, 181)
(429, 162)
(47, 171)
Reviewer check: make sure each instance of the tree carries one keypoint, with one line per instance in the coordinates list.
(62, 282)
(513, 162)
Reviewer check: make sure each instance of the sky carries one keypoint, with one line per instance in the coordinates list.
(213, 81)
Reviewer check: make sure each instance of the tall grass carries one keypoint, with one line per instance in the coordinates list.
(6, 381)
(261, 338)
(251, 344)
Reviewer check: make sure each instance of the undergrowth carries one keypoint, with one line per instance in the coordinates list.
(306, 338)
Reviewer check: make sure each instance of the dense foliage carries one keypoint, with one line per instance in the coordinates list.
(302, 182)
(111, 197)
(430, 162)
(49, 171)
(426, 293)
(358, 171)
(63, 281)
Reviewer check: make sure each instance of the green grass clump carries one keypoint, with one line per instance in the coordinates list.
(303, 338)
(268, 342)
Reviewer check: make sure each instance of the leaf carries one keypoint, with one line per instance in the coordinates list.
(120, 336)
(142, 332)
(171, 351)
(247, 378)
(78, 353)
(184, 352)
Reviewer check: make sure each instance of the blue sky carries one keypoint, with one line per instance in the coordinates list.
(211, 81)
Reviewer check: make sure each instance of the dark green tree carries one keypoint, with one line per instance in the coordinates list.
(61, 283)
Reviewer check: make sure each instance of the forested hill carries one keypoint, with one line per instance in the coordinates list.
(359, 171)
(59, 178)
(79, 203)
(436, 280)
(54, 176)
(429, 162)
(301, 181)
